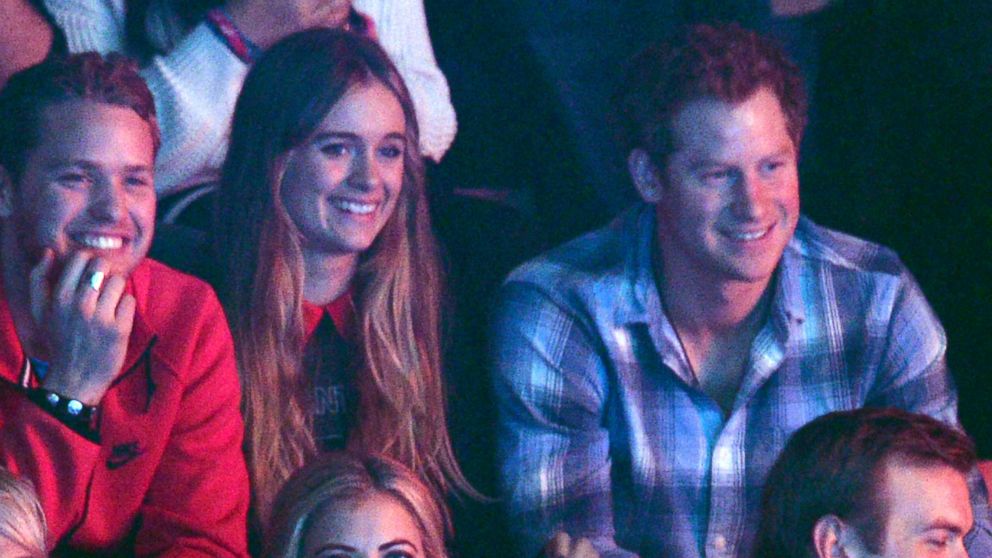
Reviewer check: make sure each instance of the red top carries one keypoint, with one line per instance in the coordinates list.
(328, 360)
(342, 313)
(169, 457)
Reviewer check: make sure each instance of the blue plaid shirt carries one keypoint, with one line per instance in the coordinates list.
(605, 433)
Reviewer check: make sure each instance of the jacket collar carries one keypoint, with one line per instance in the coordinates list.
(11, 351)
(142, 334)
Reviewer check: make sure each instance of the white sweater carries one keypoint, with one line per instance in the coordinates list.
(197, 83)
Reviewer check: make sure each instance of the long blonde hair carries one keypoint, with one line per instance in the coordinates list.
(340, 480)
(397, 287)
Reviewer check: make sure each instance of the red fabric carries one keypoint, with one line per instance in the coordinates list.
(232, 36)
(170, 431)
(342, 313)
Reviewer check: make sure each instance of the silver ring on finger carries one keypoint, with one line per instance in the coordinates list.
(96, 280)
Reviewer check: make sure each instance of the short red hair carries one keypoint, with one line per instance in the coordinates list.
(726, 62)
(87, 76)
(835, 465)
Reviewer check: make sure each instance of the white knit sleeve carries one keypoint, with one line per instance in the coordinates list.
(402, 30)
(195, 87)
(96, 25)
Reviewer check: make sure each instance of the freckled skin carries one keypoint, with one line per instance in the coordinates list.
(923, 502)
(928, 516)
(733, 175)
(91, 174)
(355, 155)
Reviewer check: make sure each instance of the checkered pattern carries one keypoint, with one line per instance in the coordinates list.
(604, 431)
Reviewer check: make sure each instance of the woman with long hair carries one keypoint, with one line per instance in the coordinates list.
(329, 272)
(349, 505)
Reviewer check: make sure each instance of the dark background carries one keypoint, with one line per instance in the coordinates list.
(898, 150)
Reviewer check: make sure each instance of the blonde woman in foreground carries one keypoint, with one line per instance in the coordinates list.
(23, 532)
(344, 506)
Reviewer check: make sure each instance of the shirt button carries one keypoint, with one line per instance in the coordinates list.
(720, 543)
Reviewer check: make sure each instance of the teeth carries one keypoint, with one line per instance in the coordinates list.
(354, 207)
(748, 235)
(102, 242)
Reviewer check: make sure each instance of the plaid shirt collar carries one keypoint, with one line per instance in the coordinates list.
(638, 301)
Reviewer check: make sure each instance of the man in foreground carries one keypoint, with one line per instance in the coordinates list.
(869, 483)
(119, 394)
(649, 373)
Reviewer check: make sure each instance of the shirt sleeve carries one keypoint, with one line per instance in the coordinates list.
(197, 503)
(195, 87)
(403, 34)
(551, 391)
(914, 376)
(913, 372)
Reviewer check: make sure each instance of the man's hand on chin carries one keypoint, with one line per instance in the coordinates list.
(86, 318)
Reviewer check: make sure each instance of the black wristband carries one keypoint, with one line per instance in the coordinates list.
(70, 412)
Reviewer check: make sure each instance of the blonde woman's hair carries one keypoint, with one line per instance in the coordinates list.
(343, 480)
(22, 520)
(397, 287)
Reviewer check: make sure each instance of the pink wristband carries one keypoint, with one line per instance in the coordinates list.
(242, 47)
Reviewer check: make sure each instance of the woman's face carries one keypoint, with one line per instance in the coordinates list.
(373, 527)
(341, 185)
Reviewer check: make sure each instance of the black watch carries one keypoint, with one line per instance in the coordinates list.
(71, 412)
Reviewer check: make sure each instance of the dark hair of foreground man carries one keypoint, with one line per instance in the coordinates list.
(836, 465)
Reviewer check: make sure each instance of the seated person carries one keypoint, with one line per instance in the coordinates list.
(22, 523)
(197, 54)
(328, 269)
(649, 373)
(118, 389)
(872, 482)
(343, 504)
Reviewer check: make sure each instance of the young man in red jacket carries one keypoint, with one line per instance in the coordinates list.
(119, 393)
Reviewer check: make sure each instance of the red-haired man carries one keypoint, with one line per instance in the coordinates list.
(648, 374)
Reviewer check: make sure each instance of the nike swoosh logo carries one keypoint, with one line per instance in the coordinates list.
(122, 454)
